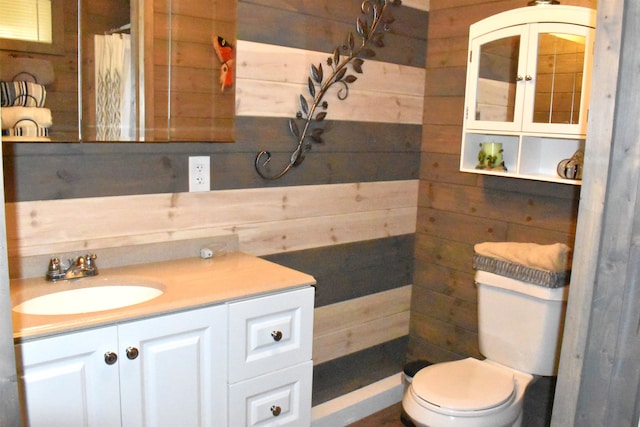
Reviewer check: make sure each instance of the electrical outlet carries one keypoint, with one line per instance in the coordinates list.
(199, 173)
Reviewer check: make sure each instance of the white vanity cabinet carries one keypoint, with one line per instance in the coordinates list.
(528, 81)
(163, 371)
(270, 367)
(239, 363)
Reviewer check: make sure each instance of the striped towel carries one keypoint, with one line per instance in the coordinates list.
(14, 116)
(22, 94)
(26, 130)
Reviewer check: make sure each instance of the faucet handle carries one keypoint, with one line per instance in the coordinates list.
(54, 265)
(91, 267)
(81, 262)
(91, 260)
(55, 270)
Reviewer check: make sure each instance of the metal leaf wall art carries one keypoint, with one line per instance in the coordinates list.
(307, 126)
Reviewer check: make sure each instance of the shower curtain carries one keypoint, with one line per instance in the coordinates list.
(115, 101)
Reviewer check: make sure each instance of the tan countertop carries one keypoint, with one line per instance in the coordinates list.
(188, 283)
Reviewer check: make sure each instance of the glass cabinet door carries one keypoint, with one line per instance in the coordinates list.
(529, 78)
(558, 93)
(496, 63)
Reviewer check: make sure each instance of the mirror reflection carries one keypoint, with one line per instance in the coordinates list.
(496, 97)
(109, 101)
(559, 78)
(49, 67)
(133, 71)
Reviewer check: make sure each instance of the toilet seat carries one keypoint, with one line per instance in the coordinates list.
(465, 385)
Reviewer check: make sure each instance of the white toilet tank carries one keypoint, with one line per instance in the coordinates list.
(520, 324)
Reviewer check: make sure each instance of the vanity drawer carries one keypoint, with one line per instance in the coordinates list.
(270, 333)
(280, 398)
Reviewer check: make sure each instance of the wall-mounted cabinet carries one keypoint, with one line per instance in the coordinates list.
(528, 81)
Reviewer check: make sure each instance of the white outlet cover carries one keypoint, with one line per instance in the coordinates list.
(199, 173)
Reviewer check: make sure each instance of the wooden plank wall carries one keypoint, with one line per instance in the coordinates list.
(457, 210)
(346, 215)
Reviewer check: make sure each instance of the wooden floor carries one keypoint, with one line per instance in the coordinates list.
(388, 417)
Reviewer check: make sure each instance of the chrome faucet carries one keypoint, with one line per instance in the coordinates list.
(83, 266)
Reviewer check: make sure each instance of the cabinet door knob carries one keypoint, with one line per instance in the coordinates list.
(110, 358)
(528, 77)
(277, 335)
(519, 78)
(275, 410)
(132, 353)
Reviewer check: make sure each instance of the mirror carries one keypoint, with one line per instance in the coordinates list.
(559, 78)
(137, 71)
(496, 90)
(559, 75)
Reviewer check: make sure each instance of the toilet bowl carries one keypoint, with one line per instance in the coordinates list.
(466, 393)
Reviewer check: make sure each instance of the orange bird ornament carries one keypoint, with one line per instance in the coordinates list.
(224, 50)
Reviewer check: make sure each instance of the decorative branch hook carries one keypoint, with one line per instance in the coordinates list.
(318, 86)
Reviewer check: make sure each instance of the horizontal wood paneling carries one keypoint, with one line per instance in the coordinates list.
(281, 100)
(447, 341)
(341, 137)
(61, 171)
(410, 14)
(356, 269)
(266, 220)
(255, 62)
(550, 213)
(323, 32)
(350, 326)
(351, 372)
(417, 4)
(384, 92)
(446, 281)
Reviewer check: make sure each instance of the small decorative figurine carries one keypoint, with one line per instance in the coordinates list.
(224, 50)
(571, 168)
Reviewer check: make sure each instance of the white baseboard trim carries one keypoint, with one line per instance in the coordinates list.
(358, 404)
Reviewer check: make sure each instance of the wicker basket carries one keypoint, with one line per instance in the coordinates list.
(544, 278)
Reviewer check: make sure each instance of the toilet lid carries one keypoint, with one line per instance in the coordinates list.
(464, 385)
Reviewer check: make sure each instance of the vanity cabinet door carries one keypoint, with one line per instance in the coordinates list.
(173, 369)
(67, 381)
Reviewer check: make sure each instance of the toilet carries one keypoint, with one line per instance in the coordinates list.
(520, 330)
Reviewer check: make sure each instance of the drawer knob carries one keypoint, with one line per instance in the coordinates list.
(110, 358)
(277, 335)
(132, 353)
(275, 410)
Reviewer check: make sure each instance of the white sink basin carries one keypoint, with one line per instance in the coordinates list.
(106, 295)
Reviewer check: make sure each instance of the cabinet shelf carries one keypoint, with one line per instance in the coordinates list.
(525, 156)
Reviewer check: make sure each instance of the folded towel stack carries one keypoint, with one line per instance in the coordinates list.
(554, 258)
(22, 98)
